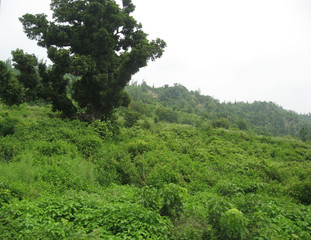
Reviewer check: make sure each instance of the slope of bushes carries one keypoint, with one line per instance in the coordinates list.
(62, 179)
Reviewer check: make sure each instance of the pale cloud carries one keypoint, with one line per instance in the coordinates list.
(233, 50)
(12, 35)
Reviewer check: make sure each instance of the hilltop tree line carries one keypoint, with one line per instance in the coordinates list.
(177, 104)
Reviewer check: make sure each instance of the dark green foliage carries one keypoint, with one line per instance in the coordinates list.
(55, 83)
(305, 134)
(217, 207)
(242, 124)
(167, 200)
(221, 123)
(166, 114)
(7, 126)
(130, 117)
(26, 64)
(98, 41)
(137, 147)
(302, 191)
(7, 150)
(172, 201)
(11, 91)
(26, 84)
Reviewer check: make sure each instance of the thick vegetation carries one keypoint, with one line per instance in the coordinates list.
(171, 165)
(62, 179)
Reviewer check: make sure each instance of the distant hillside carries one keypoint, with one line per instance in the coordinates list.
(177, 104)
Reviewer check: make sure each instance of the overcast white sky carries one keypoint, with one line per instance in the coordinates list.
(233, 50)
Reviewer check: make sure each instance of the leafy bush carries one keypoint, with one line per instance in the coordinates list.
(166, 114)
(302, 191)
(89, 145)
(191, 228)
(8, 149)
(216, 208)
(228, 189)
(172, 200)
(11, 91)
(7, 126)
(242, 124)
(71, 217)
(138, 147)
(150, 197)
(105, 129)
(146, 124)
(233, 225)
(131, 117)
(7, 194)
(168, 200)
(221, 123)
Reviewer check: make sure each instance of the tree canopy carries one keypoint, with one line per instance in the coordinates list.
(100, 43)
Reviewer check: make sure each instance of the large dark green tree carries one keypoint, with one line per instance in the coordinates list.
(98, 41)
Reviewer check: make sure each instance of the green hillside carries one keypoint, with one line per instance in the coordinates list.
(163, 169)
(177, 104)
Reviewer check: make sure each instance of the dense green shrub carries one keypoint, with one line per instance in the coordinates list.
(11, 91)
(28, 75)
(131, 117)
(216, 209)
(138, 147)
(228, 188)
(242, 124)
(167, 200)
(89, 145)
(191, 228)
(302, 191)
(71, 217)
(166, 114)
(8, 149)
(105, 129)
(7, 194)
(7, 126)
(221, 123)
(172, 200)
(233, 225)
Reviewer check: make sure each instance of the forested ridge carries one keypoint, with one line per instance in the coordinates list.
(191, 107)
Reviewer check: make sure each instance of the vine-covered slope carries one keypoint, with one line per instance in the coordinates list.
(62, 179)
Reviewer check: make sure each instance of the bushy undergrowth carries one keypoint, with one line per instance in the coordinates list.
(62, 179)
